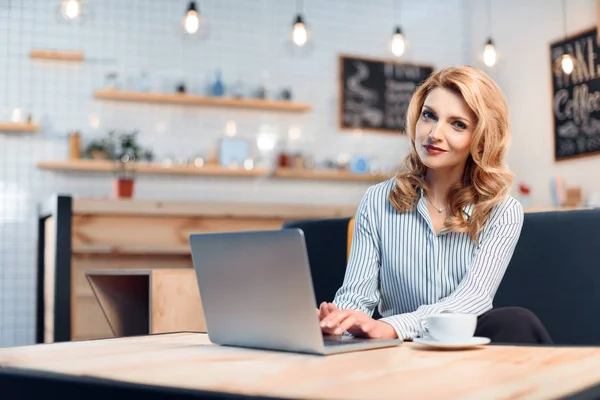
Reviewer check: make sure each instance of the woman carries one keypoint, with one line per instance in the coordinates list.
(438, 237)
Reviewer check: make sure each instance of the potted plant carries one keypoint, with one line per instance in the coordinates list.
(96, 150)
(124, 182)
(125, 152)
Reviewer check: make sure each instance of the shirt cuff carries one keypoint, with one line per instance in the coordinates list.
(407, 326)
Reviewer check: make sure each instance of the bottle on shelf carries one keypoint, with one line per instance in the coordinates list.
(74, 146)
(217, 88)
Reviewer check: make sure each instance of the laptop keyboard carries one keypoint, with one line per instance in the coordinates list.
(342, 340)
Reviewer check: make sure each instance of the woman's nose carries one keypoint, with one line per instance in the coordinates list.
(436, 132)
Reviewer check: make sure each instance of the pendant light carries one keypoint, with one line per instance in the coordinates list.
(299, 42)
(193, 23)
(72, 11)
(489, 50)
(489, 53)
(191, 20)
(567, 62)
(397, 43)
(300, 34)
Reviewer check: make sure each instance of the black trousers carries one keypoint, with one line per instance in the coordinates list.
(512, 325)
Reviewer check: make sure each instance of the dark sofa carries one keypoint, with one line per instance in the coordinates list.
(554, 271)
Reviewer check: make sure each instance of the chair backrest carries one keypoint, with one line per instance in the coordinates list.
(326, 245)
(349, 239)
(555, 273)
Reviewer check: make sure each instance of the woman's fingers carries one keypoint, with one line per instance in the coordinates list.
(345, 324)
(324, 310)
(334, 319)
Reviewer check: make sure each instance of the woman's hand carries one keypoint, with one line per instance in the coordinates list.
(325, 309)
(335, 321)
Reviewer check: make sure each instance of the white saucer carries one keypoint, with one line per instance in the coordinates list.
(472, 342)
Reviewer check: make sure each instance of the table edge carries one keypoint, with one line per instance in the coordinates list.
(33, 383)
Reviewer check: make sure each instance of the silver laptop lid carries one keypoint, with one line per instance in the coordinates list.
(256, 289)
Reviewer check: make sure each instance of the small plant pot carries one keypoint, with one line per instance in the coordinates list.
(123, 188)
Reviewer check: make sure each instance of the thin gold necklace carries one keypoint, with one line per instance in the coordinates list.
(440, 210)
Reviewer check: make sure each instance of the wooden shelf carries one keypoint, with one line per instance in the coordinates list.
(61, 55)
(18, 127)
(209, 170)
(148, 168)
(187, 99)
(132, 249)
(334, 175)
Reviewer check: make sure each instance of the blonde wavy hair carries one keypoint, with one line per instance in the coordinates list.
(486, 180)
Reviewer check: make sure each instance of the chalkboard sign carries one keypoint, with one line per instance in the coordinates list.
(576, 97)
(374, 94)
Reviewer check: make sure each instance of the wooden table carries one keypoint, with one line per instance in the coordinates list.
(188, 361)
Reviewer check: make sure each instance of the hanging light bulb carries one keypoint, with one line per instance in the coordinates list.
(191, 21)
(397, 44)
(567, 64)
(299, 42)
(70, 9)
(300, 33)
(489, 53)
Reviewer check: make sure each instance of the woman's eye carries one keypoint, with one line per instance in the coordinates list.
(428, 115)
(459, 125)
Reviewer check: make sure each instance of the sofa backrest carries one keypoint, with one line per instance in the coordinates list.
(326, 243)
(555, 272)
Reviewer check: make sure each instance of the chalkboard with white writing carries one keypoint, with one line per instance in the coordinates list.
(374, 94)
(576, 97)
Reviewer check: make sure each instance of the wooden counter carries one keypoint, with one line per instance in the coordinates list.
(79, 235)
(188, 365)
(142, 302)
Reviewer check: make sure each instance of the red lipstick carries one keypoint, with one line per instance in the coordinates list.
(433, 150)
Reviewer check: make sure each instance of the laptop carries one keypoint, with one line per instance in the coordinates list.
(257, 292)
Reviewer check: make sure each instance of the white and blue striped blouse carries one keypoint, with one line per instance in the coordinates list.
(400, 264)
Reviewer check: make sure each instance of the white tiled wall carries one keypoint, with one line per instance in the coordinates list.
(246, 40)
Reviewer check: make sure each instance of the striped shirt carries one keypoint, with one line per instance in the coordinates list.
(399, 264)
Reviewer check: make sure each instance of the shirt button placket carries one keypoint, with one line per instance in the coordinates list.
(438, 267)
(431, 252)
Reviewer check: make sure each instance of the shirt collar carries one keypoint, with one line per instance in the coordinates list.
(467, 210)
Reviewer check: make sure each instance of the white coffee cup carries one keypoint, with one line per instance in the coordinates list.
(449, 327)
